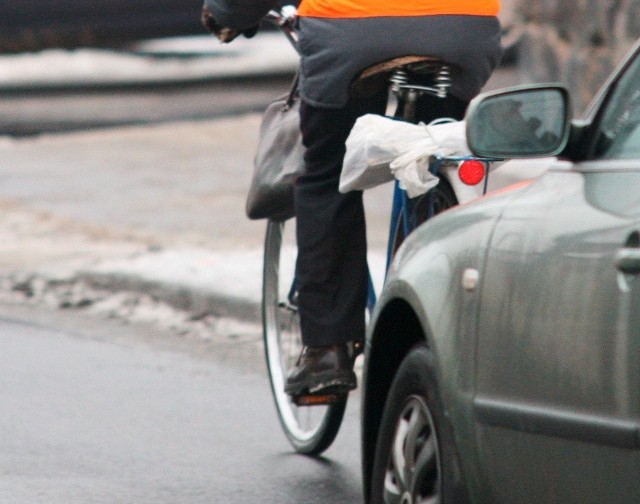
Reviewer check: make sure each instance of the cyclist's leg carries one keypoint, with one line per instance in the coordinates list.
(331, 269)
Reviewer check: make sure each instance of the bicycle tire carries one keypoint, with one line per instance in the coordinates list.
(443, 198)
(309, 429)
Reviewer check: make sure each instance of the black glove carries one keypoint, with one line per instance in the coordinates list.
(223, 33)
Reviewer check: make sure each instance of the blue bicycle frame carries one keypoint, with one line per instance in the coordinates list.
(404, 208)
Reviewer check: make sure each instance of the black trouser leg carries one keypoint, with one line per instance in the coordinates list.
(331, 268)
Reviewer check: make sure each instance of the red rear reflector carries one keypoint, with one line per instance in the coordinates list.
(318, 400)
(471, 172)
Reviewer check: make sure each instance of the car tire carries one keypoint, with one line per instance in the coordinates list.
(415, 455)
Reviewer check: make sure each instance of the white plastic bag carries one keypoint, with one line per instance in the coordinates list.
(380, 148)
(373, 143)
(412, 167)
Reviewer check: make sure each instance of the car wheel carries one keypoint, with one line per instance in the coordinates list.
(414, 453)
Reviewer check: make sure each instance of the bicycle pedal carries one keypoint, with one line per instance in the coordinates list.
(318, 399)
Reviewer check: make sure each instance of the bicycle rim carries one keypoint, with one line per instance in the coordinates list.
(310, 429)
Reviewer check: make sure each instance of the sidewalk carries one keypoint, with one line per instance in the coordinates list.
(155, 210)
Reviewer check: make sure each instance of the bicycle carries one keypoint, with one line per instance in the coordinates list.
(311, 423)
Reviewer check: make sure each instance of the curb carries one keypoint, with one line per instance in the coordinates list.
(179, 296)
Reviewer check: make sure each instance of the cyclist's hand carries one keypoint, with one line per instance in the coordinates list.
(223, 33)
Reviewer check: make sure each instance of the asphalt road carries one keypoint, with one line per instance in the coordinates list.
(97, 411)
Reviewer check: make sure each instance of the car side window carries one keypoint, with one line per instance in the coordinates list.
(618, 134)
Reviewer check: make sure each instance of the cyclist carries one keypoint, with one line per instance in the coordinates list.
(337, 40)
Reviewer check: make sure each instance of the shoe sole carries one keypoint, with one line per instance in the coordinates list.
(327, 384)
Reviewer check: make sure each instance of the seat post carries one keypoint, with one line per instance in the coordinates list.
(409, 100)
(407, 93)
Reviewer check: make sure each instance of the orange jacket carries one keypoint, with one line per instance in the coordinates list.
(378, 8)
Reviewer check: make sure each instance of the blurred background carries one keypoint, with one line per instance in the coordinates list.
(575, 42)
(71, 64)
(41, 24)
(53, 49)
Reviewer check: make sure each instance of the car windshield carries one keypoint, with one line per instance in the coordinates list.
(618, 134)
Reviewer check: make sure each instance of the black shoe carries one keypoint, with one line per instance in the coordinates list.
(322, 370)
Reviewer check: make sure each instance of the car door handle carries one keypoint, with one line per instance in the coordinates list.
(628, 260)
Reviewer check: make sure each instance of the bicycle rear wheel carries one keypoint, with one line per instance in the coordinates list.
(441, 198)
(310, 429)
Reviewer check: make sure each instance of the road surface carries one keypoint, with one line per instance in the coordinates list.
(94, 411)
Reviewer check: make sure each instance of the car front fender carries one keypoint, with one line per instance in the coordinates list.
(423, 302)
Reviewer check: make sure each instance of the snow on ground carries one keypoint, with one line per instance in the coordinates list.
(166, 59)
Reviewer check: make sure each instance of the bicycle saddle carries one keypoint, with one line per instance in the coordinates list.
(376, 77)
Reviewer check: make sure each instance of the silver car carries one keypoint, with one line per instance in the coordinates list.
(502, 363)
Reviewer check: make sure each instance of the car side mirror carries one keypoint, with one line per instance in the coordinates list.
(520, 122)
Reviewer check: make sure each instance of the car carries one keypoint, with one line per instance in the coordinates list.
(502, 360)
(39, 24)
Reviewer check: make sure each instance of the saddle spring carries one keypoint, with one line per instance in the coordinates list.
(400, 83)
